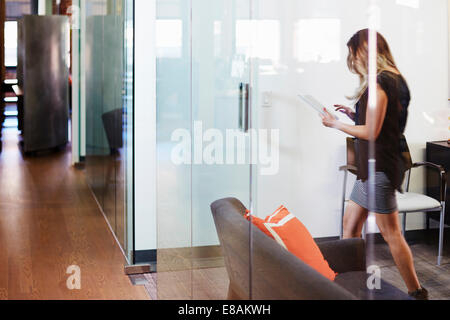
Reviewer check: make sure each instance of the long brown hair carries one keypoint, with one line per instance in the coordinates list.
(358, 58)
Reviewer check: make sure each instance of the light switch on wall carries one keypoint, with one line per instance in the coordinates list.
(267, 99)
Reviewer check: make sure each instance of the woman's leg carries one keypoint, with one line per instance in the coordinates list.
(354, 219)
(390, 229)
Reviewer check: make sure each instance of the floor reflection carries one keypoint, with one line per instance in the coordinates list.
(106, 176)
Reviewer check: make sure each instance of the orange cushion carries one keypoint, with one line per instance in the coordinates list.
(290, 233)
(258, 222)
(278, 215)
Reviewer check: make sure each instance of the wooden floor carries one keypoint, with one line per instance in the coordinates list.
(49, 221)
(436, 279)
(199, 284)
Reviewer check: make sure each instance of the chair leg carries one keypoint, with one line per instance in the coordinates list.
(441, 235)
(344, 194)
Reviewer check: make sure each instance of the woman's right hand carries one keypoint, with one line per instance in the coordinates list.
(345, 110)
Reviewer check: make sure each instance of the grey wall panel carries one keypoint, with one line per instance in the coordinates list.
(45, 75)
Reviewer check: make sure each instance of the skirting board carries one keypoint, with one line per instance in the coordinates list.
(146, 256)
(411, 236)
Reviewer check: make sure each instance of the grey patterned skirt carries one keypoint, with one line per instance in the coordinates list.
(385, 201)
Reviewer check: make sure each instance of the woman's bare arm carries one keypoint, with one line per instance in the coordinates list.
(374, 120)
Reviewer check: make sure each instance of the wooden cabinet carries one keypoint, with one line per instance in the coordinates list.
(438, 153)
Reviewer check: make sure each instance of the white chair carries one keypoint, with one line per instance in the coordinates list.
(408, 202)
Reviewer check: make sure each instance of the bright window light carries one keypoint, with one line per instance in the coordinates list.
(11, 43)
(258, 39)
(169, 38)
(318, 40)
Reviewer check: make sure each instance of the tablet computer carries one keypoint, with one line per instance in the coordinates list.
(316, 105)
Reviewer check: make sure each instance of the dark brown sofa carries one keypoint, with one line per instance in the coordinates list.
(260, 269)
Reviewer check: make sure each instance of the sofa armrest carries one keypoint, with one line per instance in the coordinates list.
(345, 255)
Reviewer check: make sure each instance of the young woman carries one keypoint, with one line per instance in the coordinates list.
(384, 124)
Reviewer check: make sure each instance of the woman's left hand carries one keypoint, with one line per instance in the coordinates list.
(328, 120)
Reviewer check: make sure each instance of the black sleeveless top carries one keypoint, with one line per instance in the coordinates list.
(391, 139)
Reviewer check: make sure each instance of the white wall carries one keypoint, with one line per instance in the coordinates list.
(145, 126)
(42, 7)
(75, 89)
(78, 82)
(308, 182)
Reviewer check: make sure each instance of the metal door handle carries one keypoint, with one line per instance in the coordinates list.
(241, 106)
(247, 108)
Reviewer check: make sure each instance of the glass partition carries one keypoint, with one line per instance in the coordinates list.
(109, 112)
(300, 62)
(203, 119)
(354, 182)
(338, 181)
(173, 83)
(128, 130)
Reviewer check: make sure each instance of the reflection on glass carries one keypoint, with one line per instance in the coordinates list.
(109, 103)
(429, 118)
(409, 3)
(318, 40)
